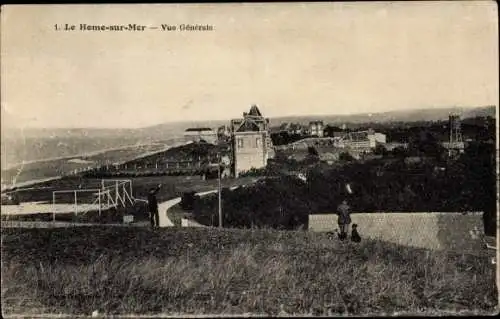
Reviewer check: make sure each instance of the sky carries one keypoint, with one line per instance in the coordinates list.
(288, 58)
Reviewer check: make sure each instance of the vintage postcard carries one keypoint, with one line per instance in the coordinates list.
(250, 159)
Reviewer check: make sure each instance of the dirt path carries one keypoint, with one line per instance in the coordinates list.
(165, 206)
(162, 209)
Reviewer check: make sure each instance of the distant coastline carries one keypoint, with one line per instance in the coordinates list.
(6, 187)
(86, 154)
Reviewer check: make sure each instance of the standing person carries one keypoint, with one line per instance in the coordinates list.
(344, 220)
(153, 207)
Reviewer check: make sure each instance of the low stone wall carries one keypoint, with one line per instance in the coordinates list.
(462, 232)
(36, 224)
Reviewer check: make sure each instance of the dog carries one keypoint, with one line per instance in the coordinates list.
(355, 235)
(342, 235)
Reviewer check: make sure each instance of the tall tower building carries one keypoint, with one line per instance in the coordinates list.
(251, 141)
(456, 144)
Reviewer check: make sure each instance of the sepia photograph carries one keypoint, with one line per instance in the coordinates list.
(314, 159)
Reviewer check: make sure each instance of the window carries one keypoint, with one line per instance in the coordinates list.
(240, 142)
(257, 142)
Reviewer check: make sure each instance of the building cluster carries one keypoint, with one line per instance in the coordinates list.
(251, 146)
(245, 143)
(363, 140)
(249, 139)
(292, 129)
(316, 128)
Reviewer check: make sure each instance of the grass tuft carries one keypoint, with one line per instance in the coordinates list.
(210, 271)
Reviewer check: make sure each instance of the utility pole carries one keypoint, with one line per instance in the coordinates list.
(220, 189)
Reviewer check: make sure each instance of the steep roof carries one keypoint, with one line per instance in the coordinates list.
(254, 111)
(316, 122)
(248, 126)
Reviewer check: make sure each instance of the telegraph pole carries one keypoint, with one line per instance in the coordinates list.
(220, 189)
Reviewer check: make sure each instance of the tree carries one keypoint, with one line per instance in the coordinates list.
(479, 165)
(280, 156)
(345, 156)
(426, 144)
(399, 152)
(187, 200)
(380, 150)
(311, 151)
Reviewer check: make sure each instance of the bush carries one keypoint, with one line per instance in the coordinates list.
(380, 150)
(312, 151)
(254, 172)
(467, 184)
(345, 156)
(187, 200)
(273, 204)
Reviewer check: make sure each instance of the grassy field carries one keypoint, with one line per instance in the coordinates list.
(173, 271)
(173, 186)
(111, 216)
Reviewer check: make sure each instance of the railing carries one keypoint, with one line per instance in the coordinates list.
(75, 194)
(112, 193)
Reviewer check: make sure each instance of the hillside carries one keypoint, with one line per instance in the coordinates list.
(130, 271)
(418, 115)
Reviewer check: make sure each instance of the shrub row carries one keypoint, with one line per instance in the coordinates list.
(467, 184)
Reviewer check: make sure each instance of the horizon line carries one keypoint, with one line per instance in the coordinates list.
(229, 119)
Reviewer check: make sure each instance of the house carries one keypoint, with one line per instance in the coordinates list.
(224, 133)
(251, 141)
(316, 128)
(364, 141)
(333, 131)
(454, 147)
(393, 145)
(198, 134)
(293, 128)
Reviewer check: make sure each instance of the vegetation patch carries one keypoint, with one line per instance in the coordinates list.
(211, 271)
(399, 184)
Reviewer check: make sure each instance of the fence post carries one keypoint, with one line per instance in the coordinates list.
(76, 204)
(99, 194)
(116, 195)
(53, 206)
(130, 186)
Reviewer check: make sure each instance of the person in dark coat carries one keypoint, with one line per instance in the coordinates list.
(344, 219)
(153, 207)
(342, 236)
